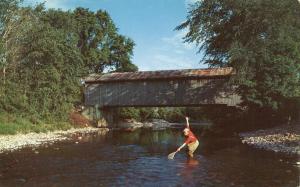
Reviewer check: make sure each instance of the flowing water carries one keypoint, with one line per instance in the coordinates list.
(140, 159)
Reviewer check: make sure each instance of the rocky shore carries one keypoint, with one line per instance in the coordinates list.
(156, 124)
(284, 139)
(131, 125)
(14, 142)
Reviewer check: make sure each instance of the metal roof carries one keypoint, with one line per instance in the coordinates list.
(164, 74)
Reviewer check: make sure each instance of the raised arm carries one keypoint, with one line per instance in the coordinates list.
(187, 122)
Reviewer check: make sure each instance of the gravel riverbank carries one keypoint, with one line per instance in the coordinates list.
(14, 142)
(285, 139)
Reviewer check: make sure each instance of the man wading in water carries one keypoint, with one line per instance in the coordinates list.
(191, 141)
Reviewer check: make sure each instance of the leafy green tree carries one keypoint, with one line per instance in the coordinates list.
(100, 44)
(45, 53)
(260, 39)
(129, 113)
(44, 66)
(101, 47)
(7, 7)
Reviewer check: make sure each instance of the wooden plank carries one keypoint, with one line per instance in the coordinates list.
(161, 93)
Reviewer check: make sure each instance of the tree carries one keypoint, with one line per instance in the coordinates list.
(260, 39)
(98, 40)
(44, 69)
(47, 52)
(100, 44)
(7, 7)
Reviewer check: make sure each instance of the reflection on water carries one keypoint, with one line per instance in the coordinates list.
(140, 159)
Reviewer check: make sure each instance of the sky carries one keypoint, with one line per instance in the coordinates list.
(150, 24)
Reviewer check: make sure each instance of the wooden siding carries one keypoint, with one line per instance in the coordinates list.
(164, 92)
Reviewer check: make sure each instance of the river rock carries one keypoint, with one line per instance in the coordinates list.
(102, 123)
(148, 125)
(155, 124)
(34, 140)
(285, 139)
(129, 125)
(20, 180)
(160, 124)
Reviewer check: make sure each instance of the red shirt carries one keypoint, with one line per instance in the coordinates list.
(190, 138)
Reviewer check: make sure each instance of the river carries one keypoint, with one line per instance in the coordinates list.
(140, 159)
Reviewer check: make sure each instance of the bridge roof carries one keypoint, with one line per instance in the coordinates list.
(164, 74)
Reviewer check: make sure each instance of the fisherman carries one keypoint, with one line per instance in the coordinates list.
(191, 141)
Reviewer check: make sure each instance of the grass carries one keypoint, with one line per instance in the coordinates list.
(10, 125)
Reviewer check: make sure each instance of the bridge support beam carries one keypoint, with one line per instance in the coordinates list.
(108, 117)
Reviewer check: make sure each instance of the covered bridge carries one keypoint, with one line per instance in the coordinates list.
(190, 87)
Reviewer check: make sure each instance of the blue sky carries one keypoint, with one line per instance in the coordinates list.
(150, 23)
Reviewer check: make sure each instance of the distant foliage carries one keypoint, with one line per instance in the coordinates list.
(171, 114)
(129, 113)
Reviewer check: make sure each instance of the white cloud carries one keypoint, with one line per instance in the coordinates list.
(57, 4)
(190, 2)
(166, 61)
(172, 53)
(176, 41)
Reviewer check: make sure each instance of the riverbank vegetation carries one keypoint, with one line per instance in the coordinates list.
(12, 124)
(44, 53)
(260, 40)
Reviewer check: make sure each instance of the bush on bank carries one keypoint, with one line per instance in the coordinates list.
(11, 124)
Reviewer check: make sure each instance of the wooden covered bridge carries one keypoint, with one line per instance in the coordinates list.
(194, 87)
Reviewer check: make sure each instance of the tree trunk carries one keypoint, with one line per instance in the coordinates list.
(4, 72)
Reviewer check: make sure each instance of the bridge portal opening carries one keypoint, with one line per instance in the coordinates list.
(127, 117)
